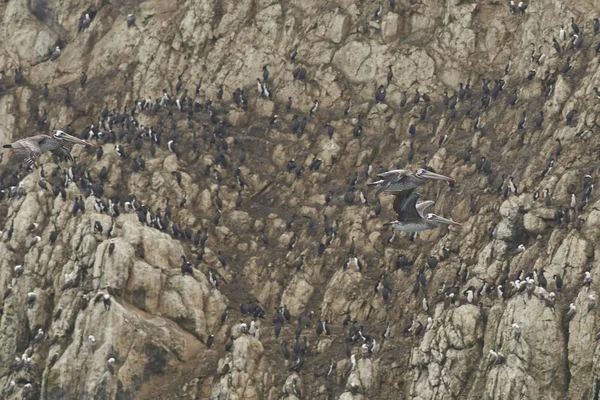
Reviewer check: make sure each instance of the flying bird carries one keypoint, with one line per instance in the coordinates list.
(398, 180)
(410, 214)
(27, 151)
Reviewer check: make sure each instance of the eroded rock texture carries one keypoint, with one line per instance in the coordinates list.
(211, 175)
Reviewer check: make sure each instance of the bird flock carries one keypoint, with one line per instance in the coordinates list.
(208, 132)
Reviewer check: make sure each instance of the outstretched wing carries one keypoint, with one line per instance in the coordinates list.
(63, 153)
(389, 178)
(25, 152)
(405, 205)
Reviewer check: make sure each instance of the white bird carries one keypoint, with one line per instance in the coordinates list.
(252, 328)
(11, 387)
(517, 331)
(550, 300)
(39, 335)
(314, 107)
(429, 323)
(493, 356)
(425, 305)
(110, 365)
(571, 312)
(55, 54)
(92, 341)
(587, 279)
(19, 270)
(591, 302)
(34, 241)
(520, 248)
(561, 34)
(470, 296)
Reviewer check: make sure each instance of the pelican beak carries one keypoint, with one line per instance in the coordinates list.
(433, 175)
(442, 220)
(73, 139)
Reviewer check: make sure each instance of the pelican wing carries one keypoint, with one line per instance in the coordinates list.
(390, 177)
(26, 151)
(405, 205)
(400, 173)
(422, 205)
(63, 152)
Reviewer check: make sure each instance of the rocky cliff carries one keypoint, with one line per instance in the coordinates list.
(219, 240)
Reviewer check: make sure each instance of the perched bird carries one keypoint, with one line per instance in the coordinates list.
(186, 267)
(55, 53)
(82, 79)
(516, 331)
(110, 365)
(92, 341)
(130, 20)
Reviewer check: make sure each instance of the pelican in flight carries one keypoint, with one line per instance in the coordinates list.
(27, 151)
(401, 179)
(410, 214)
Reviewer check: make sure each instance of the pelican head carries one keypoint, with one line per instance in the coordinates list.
(65, 137)
(441, 220)
(425, 174)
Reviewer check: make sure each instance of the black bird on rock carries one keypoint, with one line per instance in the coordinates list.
(186, 267)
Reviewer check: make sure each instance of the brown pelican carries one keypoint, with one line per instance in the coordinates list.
(27, 151)
(410, 214)
(401, 179)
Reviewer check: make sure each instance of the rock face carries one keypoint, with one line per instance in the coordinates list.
(211, 259)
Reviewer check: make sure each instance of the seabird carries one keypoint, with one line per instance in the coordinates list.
(31, 296)
(39, 335)
(591, 302)
(82, 79)
(110, 365)
(587, 279)
(92, 341)
(567, 66)
(27, 151)
(186, 267)
(34, 241)
(130, 20)
(380, 94)
(410, 214)
(556, 45)
(314, 107)
(399, 180)
(574, 26)
(571, 312)
(55, 53)
(561, 34)
(508, 66)
(577, 41)
(106, 301)
(516, 331)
